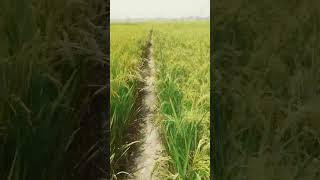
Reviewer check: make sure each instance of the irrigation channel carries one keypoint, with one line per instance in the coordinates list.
(150, 148)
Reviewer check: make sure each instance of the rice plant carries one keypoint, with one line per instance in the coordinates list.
(127, 42)
(46, 50)
(183, 94)
(267, 79)
(183, 87)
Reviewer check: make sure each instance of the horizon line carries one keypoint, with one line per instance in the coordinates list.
(160, 18)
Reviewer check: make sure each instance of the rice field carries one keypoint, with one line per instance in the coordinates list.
(182, 87)
(267, 79)
(126, 46)
(48, 51)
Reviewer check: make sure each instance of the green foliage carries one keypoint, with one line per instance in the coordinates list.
(181, 52)
(183, 95)
(43, 61)
(127, 43)
(266, 58)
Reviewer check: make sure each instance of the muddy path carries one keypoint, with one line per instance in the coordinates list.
(150, 146)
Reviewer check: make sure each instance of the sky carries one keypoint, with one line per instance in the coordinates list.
(133, 9)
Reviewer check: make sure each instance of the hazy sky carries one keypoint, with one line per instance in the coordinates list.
(122, 9)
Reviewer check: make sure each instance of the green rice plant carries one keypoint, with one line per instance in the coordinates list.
(181, 52)
(44, 64)
(127, 43)
(183, 96)
(267, 78)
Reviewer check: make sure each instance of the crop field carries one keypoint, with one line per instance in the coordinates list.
(267, 87)
(126, 44)
(48, 51)
(180, 51)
